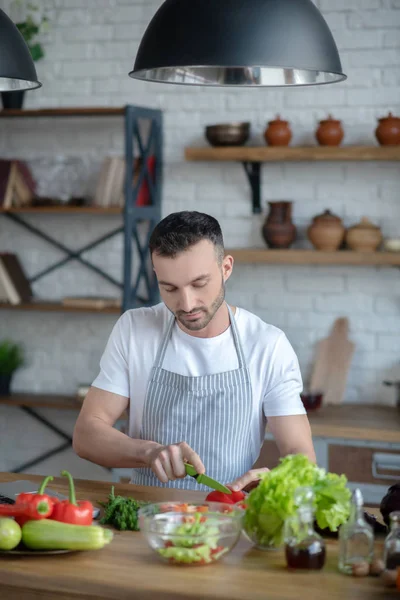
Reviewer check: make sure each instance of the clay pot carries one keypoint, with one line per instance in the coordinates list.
(278, 133)
(388, 131)
(278, 229)
(364, 237)
(326, 231)
(329, 132)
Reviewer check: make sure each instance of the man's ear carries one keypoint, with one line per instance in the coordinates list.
(227, 266)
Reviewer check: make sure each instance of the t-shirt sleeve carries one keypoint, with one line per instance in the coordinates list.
(284, 384)
(114, 373)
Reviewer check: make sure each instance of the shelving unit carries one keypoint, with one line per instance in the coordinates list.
(314, 257)
(253, 157)
(132, 215)
(68, 210)
(73, 111)
(58, 307)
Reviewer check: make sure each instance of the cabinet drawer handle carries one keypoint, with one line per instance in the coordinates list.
(385, 462)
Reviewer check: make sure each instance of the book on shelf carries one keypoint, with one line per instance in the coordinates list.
(110, 189)
(13, 281)
(95, 302)
(17, 185)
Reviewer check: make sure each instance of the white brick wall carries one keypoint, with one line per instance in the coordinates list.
(89, 53)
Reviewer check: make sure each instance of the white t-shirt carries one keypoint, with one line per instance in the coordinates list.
(125, 366)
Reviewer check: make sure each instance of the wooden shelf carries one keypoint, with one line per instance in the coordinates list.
(95, 111)
(314, 257)
(42, 401)
(56, 210)
(275, 154)
(59, 307)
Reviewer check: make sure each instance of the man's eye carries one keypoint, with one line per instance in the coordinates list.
(199, 285)
(170, 290)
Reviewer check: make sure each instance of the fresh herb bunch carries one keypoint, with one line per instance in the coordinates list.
(121, 512)
(11, 357)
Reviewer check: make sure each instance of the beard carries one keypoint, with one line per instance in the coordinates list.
(207, 314)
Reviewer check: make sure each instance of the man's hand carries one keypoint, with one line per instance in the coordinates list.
(248, 481)
(168, 462)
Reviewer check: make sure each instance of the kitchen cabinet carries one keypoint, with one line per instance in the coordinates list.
(369, 466)
(362, 442)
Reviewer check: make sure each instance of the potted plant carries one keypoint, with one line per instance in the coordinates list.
(11, 358)
(31, 23)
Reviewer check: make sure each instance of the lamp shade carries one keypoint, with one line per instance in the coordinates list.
(17, 70)
(238, 43)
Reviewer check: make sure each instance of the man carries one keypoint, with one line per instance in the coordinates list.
(200, 378)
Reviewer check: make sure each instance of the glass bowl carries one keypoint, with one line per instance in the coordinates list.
(191, 534)
(264, 531)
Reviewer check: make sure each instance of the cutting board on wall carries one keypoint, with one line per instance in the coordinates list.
(332, 363)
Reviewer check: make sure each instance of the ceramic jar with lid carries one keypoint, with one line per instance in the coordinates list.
(278, 133)
(388, 131)
(326, 231)
(329, 132)
(364, 237)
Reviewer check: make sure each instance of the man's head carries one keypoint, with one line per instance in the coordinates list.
(187, 251)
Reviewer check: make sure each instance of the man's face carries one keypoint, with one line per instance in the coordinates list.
(192, 285)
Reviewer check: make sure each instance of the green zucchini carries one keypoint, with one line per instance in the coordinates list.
(47, 534)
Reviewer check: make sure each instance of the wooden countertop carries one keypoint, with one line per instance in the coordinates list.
(351, 421)
(357, 421)
(127, 568)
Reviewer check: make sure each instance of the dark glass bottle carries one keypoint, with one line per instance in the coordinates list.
(304, 547)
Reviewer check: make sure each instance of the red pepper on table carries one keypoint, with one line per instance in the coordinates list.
(226, 498)
(23, 511)
(71, 511)
(30, 506)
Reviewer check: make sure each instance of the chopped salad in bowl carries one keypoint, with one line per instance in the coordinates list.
(189, 533)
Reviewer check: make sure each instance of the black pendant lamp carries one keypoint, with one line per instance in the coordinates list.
(17, 70)
(239, 43)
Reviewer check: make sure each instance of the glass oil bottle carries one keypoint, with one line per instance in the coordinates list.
(356, 538)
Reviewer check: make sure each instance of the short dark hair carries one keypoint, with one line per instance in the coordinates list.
(181, 230)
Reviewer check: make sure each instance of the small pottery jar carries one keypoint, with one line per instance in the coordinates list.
(329, 132)
(278, 133)
(326, 231)
(364, 237)
(278, 229)
(388, 131)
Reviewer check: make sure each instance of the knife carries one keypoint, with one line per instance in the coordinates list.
(206, 480)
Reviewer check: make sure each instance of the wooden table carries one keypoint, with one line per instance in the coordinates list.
(128, 569)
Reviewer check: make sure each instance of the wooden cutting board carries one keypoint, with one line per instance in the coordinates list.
(332, 363)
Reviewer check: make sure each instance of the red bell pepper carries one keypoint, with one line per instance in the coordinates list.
(71, 511)
(21, 511)
(30, 506)
(226, 498)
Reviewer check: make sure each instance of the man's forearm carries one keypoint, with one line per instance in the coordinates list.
(306, 450)
(104, 445)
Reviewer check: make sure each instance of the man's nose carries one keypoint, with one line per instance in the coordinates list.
(187, 301)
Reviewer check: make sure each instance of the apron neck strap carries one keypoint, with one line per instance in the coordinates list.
(163, 347)
(236, 338)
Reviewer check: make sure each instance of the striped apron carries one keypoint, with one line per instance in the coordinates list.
(212, 413)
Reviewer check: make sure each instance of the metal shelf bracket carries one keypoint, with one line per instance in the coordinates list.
(253, 172)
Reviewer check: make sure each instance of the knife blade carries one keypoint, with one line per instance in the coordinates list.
(206, 480)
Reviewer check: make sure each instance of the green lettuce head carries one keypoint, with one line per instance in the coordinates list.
(272, 501)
